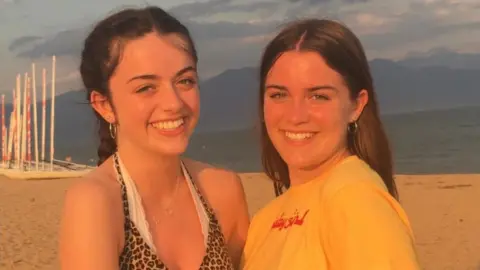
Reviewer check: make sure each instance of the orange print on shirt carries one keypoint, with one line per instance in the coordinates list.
(287, 222)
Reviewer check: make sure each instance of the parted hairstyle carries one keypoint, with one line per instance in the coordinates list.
(343, 52)
(102, 51)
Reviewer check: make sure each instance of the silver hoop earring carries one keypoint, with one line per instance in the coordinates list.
(113, 130)
(352, 127)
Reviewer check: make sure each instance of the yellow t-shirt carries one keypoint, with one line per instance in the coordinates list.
(344, 220)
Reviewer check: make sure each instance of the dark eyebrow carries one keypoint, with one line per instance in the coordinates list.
(276, 86)
(185, 70)
(322, 87)
(310, 89)
(143, 77)
(155, 77)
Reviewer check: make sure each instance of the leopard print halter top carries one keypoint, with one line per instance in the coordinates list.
(137, 254)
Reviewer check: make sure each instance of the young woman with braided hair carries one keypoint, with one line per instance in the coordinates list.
(146, 207)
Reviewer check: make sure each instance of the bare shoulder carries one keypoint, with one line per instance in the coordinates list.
(94, 188)
(205, 168)
(218, 182)
(95, 195)
(91, 213)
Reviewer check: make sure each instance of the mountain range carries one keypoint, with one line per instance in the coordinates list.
(441, 57)
(416, 83)
(229, 100)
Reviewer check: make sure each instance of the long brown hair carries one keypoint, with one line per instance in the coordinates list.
(343, 52)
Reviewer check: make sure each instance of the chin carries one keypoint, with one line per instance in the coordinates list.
(297, 160)
(172, 148)
(306, 162)
(303, 159)
(299, 164)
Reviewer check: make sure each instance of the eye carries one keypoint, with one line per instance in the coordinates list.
(320, 97)
(277, 95)
(187, 81)
(145, 88)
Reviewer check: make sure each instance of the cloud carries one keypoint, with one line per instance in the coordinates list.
(199, 10)
(258, 17)
(5, 2)
(232, 33)
(313, 2)
(222, 30)
(68, 42)
(22, 41)
(69, 77)
(256, 39)
(407, 33)
(422, 23)
(195, 9)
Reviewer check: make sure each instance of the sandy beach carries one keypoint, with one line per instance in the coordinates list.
(443, 210)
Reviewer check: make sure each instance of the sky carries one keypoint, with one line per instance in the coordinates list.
(230, 33)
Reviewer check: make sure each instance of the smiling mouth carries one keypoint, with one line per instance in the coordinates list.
(298, 136)
(169, 125)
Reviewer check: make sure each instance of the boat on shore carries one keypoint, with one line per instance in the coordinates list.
(45, 170)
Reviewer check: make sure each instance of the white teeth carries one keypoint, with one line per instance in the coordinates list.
(168, 124)
(298, 136)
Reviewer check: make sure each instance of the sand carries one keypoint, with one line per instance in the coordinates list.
(443, 210)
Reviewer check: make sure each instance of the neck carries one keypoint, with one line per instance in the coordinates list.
(155, 175)
(300, 176)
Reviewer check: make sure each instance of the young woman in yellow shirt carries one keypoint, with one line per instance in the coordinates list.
(324, 142)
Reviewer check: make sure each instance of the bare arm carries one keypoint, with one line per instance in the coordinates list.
(241, 220)
(88, 239)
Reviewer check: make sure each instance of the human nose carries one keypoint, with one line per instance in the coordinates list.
(170, 100)
(297, 112)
